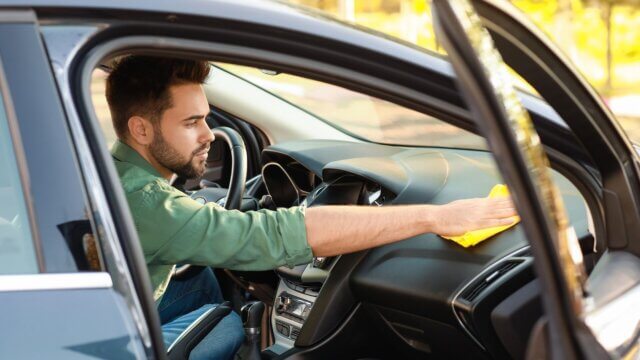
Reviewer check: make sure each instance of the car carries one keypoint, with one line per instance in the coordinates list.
(329, 114)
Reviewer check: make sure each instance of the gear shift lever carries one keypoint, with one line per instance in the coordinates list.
(252, 316)
(252, 320)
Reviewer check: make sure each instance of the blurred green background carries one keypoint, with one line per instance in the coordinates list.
(601, 37)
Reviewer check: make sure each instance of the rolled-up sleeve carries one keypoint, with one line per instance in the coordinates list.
(175, 229)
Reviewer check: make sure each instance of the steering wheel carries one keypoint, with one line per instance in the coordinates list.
(230, 199)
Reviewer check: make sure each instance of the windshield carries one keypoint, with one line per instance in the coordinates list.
(599, 37)
(357, 114)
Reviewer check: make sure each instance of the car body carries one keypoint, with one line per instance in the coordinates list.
(421, 297)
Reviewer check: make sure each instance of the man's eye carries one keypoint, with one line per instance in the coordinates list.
(190, 124)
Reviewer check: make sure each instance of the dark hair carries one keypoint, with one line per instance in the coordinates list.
(139, 86)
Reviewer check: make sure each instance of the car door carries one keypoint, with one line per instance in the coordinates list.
(60, 291)
(581, 315)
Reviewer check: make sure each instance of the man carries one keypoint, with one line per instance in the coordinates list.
(158, 109)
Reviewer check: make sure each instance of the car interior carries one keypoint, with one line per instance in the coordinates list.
(311, 143)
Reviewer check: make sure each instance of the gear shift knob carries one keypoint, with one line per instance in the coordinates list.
(252, 319)
(252, 316)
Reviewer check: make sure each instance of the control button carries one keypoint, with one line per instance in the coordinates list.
(289, 284)
(285, 331)
(312, 292)
(294, 333)
(282, 329)
(319, 262)
(292, 307)
(282, 303)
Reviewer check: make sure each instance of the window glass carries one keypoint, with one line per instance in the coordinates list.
(17, 253)
(99, 98)
(358, 114)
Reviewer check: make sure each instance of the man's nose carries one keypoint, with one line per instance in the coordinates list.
(207, 134)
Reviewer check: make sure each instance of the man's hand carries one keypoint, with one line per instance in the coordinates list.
(460, 216)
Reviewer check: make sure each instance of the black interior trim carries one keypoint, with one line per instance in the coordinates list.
(335, 301)
(355, 338)
(590, 188)
(515, 316)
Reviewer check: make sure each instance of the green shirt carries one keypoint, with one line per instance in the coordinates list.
(174, 229)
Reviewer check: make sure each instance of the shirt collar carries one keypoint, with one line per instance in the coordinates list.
(123, 152)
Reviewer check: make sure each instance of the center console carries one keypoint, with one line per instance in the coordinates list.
(297, 292)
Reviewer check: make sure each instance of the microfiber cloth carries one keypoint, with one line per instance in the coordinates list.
(471, 238)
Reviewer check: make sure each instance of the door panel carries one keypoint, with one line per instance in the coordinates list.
(65, 308)
(55, 187)
(67, 324)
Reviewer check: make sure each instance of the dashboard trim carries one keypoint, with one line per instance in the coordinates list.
(299, 192)
(489, 268)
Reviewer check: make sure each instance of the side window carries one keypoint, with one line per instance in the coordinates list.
(17, 252)
(98, 96)
(46, 225)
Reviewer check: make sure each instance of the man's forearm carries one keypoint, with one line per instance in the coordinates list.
(333, 230)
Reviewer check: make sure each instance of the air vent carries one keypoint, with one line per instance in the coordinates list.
(524, 253)
(476, 288)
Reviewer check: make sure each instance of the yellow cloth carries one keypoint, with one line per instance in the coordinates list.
(471, 238)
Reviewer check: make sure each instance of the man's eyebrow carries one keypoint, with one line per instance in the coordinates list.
(193, 117)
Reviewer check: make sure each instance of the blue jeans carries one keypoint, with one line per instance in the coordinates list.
(184, 301)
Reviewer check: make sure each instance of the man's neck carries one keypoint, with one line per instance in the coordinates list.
(146, 154)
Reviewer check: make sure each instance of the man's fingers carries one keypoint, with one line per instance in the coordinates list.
(510, 220)
(499, 222)
(502, 202)
(505, 221)
(501, 213)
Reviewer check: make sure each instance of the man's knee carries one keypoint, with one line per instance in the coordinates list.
(207, 280)
(223, 341)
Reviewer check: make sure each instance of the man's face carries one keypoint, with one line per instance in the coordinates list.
(181, 137)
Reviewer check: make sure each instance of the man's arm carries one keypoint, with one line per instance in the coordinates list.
(333, 230)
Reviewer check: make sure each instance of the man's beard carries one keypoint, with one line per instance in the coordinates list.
(169, 157)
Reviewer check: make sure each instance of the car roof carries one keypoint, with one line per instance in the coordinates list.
(272, 13)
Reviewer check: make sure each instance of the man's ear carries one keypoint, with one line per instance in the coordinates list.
(140, 130)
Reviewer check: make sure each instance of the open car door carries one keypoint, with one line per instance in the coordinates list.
(585, 316)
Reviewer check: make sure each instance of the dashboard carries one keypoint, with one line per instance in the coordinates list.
(431, 295)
